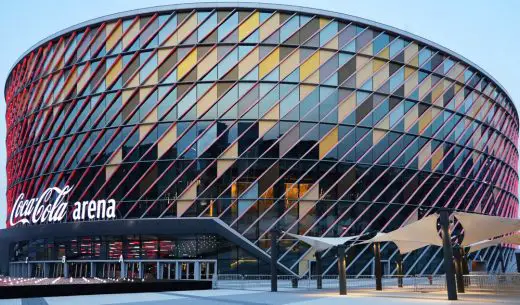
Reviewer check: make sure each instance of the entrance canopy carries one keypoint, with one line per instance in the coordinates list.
(479, 227)
(322, 243)
(513, 239)
(413, 236)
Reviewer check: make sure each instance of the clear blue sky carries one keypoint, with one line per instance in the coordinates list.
(485, 32)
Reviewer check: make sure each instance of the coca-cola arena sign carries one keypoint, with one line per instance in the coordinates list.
(51, 206)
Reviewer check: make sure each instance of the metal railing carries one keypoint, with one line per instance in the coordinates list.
(493, 283)
(354, 283)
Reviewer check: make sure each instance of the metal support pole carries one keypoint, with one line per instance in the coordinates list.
(65, 269)
(319, 276)
(159, 271)
(448, 255)
(342, 271)
(399, 270)
(458, 269)
(378, 269)
(274, 261)
(46, 269)
(92, 269)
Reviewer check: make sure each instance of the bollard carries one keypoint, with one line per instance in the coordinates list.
(274, 262)
(294, 282)
(378, 270)
(342, 272)
(448, 255)
(319, 276)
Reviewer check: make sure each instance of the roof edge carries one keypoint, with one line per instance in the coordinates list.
(254, 5)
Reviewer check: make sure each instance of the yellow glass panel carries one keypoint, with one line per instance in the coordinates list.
(289, 64)
(187, 27)
(381, 76)
(411, 117)
(346, 107)
(152, 79)
(408, 71)
(248, 63)
(223, 166)
(309, 66)
(187, 64)
(305, 90)
(269, 26)
(207, 63)
(268, 64)
(385, 53)
(324, 22)
(231, 152)
(437, 91)
(410, 52)
(114, 72)
(167, 141)
(328, 142)
(69, 85)
(144, 130)
(377, 64)
(207, 101)
(367, 50)
(332, 44)
(247, 27)
(384, 124)
(377, 135)
(325, 55)
(425, 119)
(151, 117)
(264, 127)
(424, 154)
(110, 170)
(84, 77)
(364, 74)
(117, 157)
(173, 40)
(411, 83)
(314, 78)
(273, 114)
(425, 86)
(361, 61)
(437, 157)
(114, 38)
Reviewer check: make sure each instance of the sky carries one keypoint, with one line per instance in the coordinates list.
(482, 31)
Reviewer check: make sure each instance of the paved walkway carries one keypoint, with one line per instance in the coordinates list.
(224, 296)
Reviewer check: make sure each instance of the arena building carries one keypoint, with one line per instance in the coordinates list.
(169, 142)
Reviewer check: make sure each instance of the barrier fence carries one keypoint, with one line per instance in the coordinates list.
(262, 282)
(493, 283)
(486, 283)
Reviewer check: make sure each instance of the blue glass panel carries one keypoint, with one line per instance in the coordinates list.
(328, 32)
(225, 28)
(289, 28)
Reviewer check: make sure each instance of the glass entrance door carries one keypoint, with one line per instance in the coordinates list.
(207, 269)
(187, 270)
(168, 271)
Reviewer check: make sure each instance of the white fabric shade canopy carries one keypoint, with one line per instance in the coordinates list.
(479, 227)
(323, 243)
(413, 236)
(513, 239)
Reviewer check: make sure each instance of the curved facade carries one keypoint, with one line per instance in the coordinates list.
(265, 116)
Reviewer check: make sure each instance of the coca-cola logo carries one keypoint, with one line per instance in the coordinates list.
(51, 206)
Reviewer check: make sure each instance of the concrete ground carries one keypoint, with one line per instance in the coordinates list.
(227, 296)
